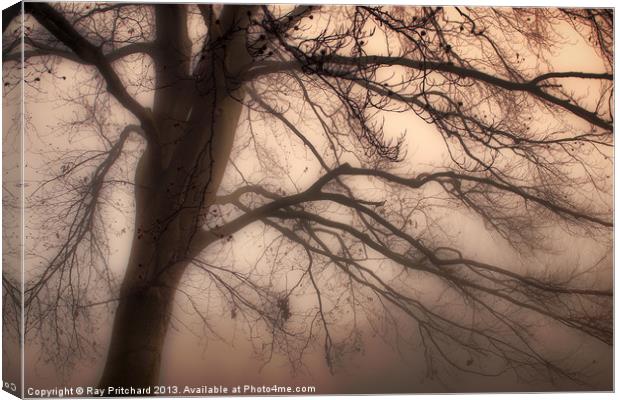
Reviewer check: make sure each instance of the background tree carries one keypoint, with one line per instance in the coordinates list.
(372, 146)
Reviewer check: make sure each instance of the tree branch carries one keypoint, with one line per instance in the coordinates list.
(58, 26)
(364, 62)
(42, 50)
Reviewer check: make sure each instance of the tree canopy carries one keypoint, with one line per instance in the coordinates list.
(437, 176)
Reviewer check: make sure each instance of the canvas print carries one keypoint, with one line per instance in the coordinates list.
(231, 199)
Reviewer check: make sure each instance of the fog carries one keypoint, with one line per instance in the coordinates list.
(208, 342)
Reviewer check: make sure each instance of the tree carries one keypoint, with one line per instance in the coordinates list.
(378, 137)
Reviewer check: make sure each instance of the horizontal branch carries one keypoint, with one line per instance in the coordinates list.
(530, 87)
(41, 50)
(314, 193)
(422, 179)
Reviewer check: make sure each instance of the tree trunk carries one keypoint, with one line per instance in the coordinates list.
(174, 186)
(159, 256)
(138, 334)
(146, 299)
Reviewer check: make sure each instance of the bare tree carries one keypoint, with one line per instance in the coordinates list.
(362, 141)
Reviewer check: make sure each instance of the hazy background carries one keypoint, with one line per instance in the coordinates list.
(190, 358)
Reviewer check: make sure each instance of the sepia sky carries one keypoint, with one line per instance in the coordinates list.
(234, 352)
